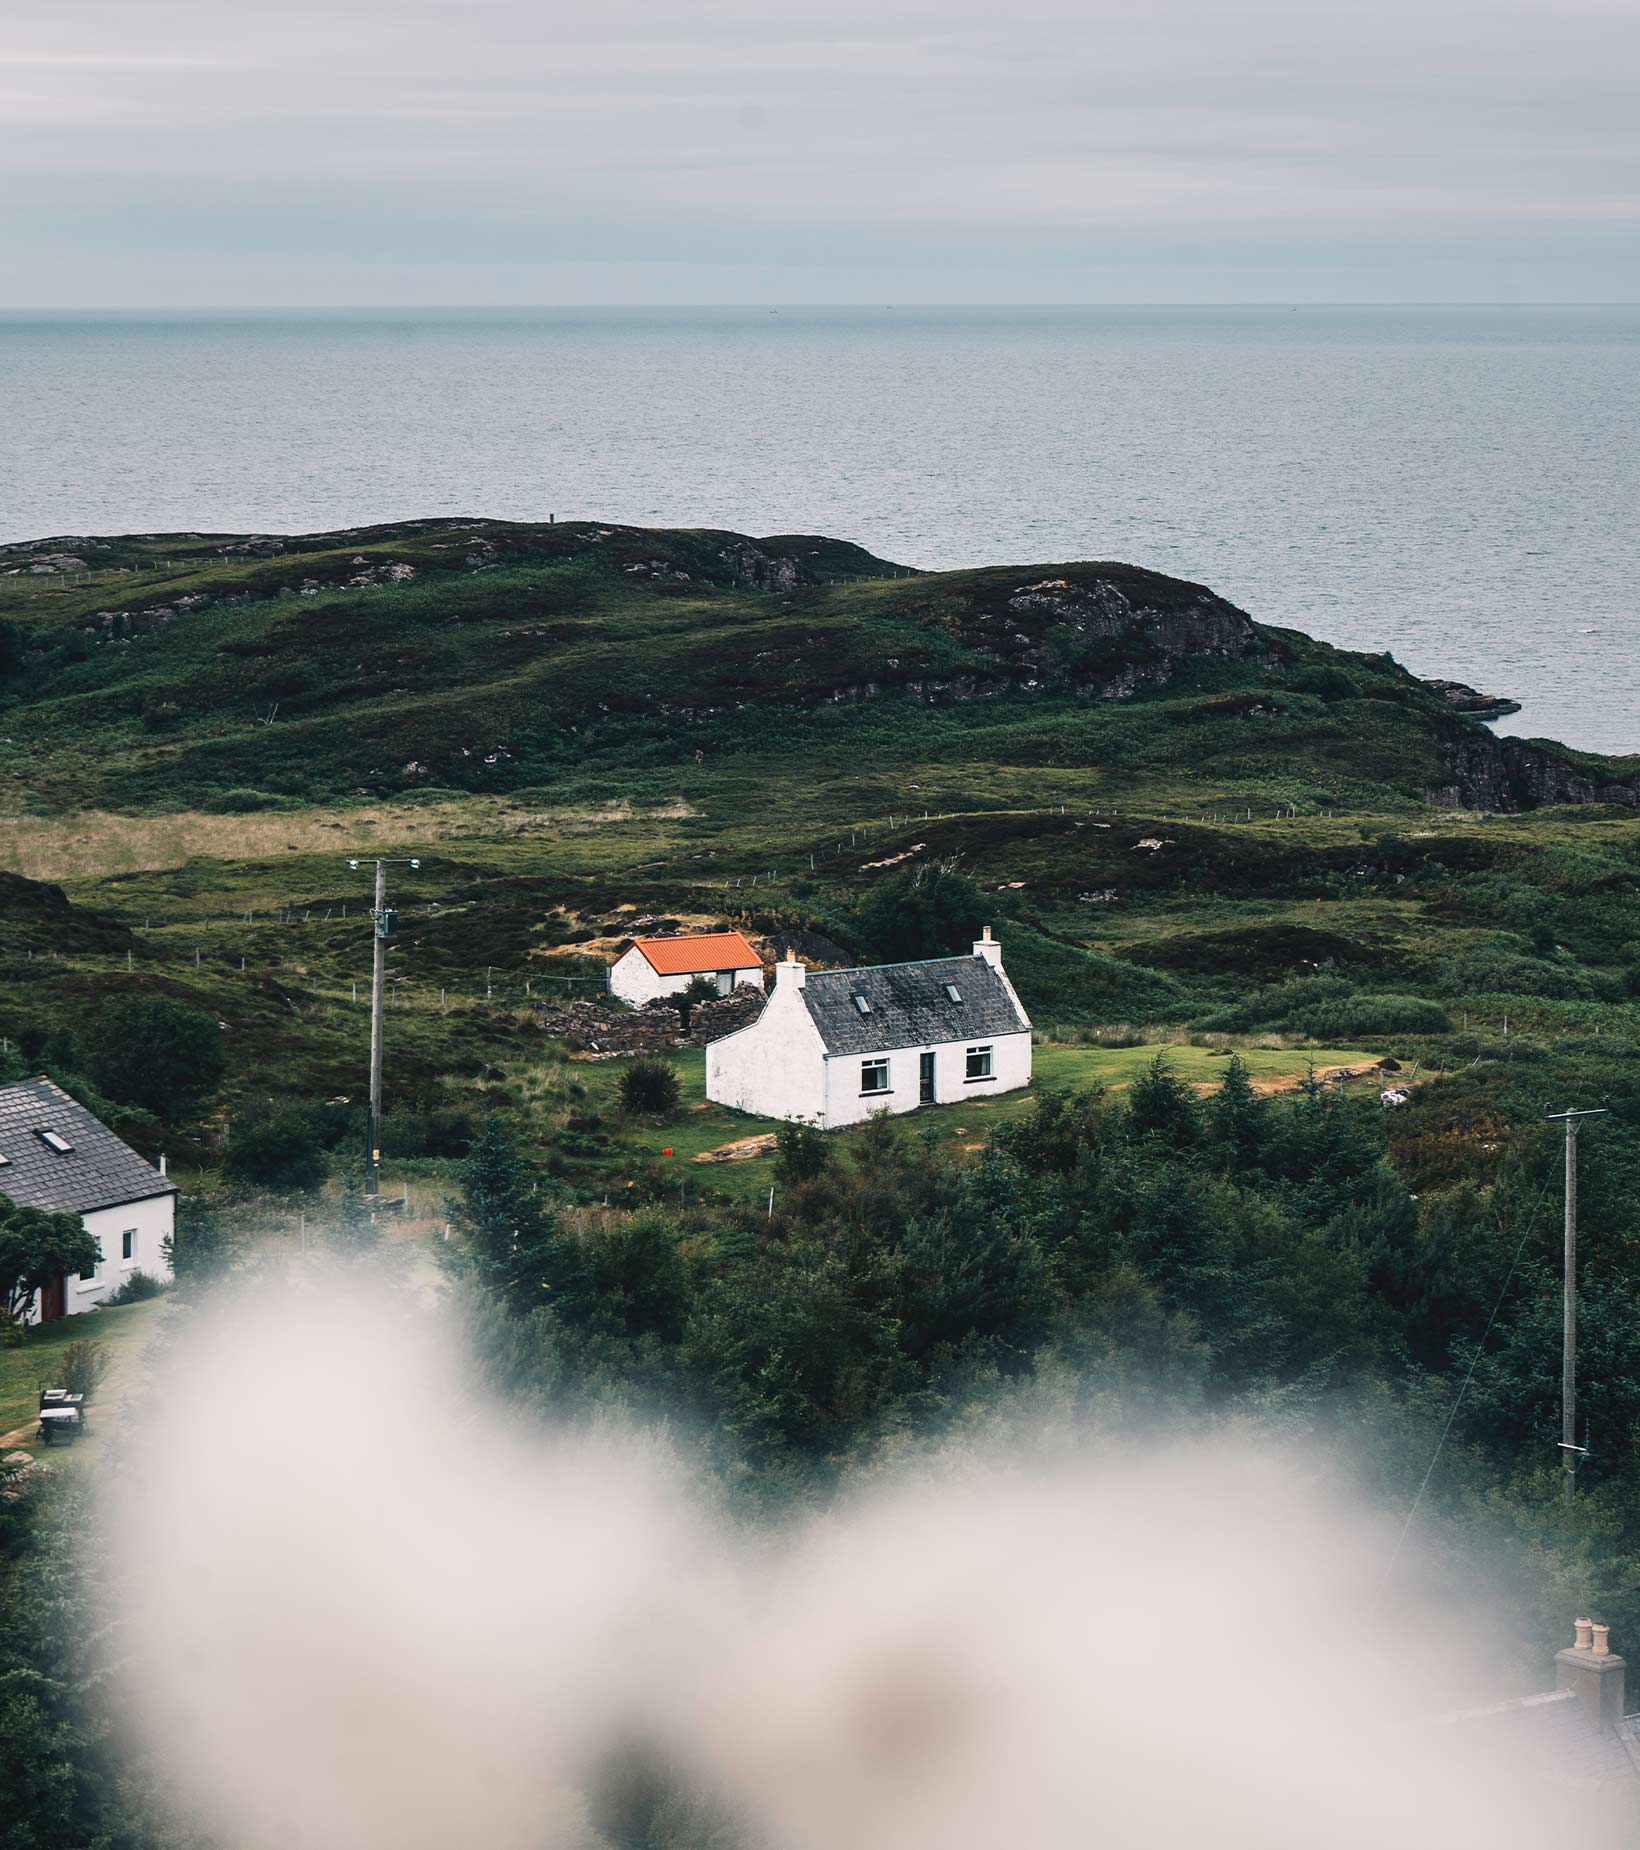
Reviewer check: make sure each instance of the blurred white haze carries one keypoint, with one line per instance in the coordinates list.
(366, 1609)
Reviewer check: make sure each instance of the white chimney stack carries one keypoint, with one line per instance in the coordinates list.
(789, 973)
(986, 947)
(162, 1162)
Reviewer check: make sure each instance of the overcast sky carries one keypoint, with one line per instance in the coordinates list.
(360, 152)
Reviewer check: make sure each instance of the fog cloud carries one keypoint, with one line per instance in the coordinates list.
(363, 1607)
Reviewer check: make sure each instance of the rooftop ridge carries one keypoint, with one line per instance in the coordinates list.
(910, 963)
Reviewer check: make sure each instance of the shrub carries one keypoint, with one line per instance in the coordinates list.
(801, 1153)
(137, 1289)
(155, 1053)
(241, 802)
(82, 1366)
(700, 989)
(275, 1143)
(649, 1089)
(1353, 1016)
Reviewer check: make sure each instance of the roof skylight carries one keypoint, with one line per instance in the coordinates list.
(861, 1003)
(55, 1140)
(952, 993)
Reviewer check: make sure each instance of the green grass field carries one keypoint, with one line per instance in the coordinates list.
(31, 1363)
(701, 1126)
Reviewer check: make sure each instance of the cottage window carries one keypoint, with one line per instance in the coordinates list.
(874, 1076)
(861, 1004)
(55, 1140)
(979, 1063)
(128, 1243)
(952, 993)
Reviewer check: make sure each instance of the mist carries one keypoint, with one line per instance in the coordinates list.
(364, 1606)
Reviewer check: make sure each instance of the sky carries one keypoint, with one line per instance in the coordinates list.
(236, 153)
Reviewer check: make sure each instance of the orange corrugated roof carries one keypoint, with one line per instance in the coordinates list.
(705, 950)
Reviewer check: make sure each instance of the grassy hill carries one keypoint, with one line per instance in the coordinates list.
(597, 663)
(1185, 823)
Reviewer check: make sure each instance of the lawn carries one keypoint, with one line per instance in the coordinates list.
(31, 1363)
(701, 1125)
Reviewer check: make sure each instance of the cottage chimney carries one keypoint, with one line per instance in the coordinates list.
(1594, 1674)
(986, 946)
(162, 1162)
(789, 973)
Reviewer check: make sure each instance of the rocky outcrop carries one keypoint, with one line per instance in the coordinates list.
(1462, 698)
(1487, 772)
(1101, 632)
(751, 566)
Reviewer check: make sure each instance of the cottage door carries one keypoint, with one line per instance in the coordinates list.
(52, 1301)
(925, 1079)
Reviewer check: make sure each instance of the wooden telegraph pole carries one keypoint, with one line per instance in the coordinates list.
(384, 922)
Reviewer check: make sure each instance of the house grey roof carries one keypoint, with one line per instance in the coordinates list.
(1549, 1736)
(98, 1172)
(908, 1005)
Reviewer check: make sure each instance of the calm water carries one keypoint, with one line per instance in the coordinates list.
(1458, 485)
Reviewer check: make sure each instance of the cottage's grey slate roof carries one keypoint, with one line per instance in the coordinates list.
(1550, 1736)
(100, 1172)
(909, 1006)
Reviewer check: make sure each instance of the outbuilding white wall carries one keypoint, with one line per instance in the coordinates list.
(775, 1067)
(846, 1104)
(635, 979)
(150, 1222)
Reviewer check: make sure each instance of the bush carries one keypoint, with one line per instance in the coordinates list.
(82, 1366)
(275, 1143)
(154, 1053)
(801, 1153)
(649, 1089)
(1352, 1016)
(241, 802)
(137, 1289)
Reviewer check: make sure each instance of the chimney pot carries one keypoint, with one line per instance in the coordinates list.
(1595, 1674)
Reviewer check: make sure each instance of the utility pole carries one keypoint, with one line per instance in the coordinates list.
(384, 921)
(1570, 1450)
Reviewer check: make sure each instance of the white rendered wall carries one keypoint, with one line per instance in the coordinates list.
(151, 1221)
(635, 979)
(846, 1104)
(776, 1067)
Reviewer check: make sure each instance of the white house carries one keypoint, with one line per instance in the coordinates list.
(55, 1155)
(654, 967)
(834, 1046)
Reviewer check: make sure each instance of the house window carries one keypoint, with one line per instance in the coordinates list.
(874, 1076)
(55, 1140)
(861, 1004)
(128, 1243)
(952, 993)
(979, 1063)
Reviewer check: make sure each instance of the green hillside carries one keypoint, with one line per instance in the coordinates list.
(594, 663)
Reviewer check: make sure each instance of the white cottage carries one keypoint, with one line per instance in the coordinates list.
(55, 1155)
(834, 1046)
(654, 967)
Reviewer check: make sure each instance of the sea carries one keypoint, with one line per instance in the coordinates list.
(1459, 486)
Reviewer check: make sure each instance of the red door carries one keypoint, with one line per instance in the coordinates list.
(52, 1301)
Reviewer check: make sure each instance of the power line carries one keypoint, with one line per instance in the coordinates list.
(1480, 1350)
